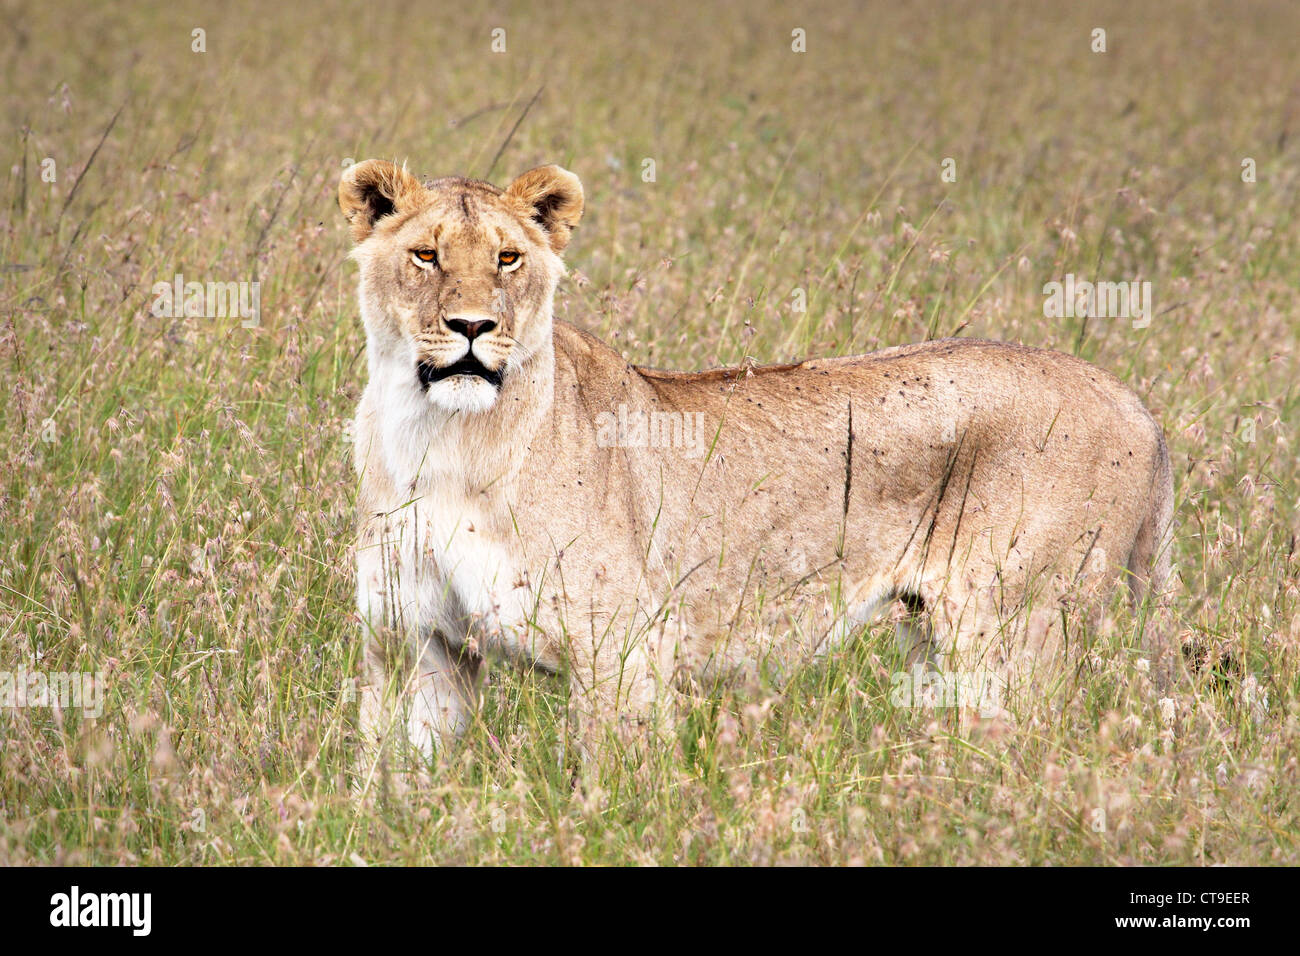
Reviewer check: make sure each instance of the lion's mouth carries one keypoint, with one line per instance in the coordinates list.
(468, 365)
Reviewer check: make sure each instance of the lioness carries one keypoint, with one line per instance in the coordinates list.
(526, 492)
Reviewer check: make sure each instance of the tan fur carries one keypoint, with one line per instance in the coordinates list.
(984, 482)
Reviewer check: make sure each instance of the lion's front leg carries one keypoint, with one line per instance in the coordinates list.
(443, 692)
(416, 687)
(424, 695)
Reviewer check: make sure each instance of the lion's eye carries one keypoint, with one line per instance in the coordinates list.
(508, 259)
(425, 256)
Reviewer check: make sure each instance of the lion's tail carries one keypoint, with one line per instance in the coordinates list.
(1150, 563)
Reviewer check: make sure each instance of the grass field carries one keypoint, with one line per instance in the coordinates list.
(176, 493)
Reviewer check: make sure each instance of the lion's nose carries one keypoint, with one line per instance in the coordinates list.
(471, 328)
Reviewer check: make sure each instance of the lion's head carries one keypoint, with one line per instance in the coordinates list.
(457, 276)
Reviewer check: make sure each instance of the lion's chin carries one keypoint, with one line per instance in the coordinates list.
(463, 393)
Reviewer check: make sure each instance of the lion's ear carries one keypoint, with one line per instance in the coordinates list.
(371, 190)
(551, 197)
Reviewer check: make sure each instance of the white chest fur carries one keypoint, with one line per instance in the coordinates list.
(431, 557)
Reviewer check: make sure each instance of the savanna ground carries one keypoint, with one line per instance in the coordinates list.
(175, 493)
